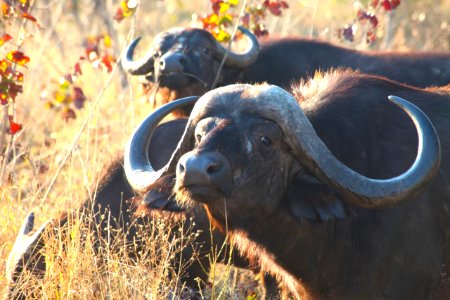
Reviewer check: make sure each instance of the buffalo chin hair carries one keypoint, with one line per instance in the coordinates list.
(184, 198)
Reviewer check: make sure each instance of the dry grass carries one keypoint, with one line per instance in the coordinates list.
(73, 154)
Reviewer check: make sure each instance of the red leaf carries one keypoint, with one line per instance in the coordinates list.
(108, 60)
(13, 126)
(18, 57)
(5, 38)
(275, 6)
(78, 69)
(31, 18)
(14, 89)
(119, 15)
(260, 30)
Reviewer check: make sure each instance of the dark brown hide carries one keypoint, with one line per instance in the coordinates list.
(283, 216)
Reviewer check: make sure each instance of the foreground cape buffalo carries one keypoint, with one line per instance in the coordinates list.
(114, 199)
(186, 61)
(284, 180)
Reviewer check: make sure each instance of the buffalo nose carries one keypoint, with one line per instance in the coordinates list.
(172, 62)
(204, 169)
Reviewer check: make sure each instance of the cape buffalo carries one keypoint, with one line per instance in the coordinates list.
(186, 61)
(309, 187)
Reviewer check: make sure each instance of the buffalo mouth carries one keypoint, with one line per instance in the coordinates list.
(174, 80)
(180, 80)
(201, 192)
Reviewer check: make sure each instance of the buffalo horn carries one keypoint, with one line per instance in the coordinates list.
(138, 169)
(358, 189)
(239, 60)
(141, 66)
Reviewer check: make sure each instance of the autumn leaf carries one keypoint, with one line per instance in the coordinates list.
(13, 126)
(68, 113)
(18, 57)
(210, 21)
(31, 18)
(119, 15)
(13, 90)
(275, 6)
(3, 98)
(107, 41)
(226, 20)
(77, 68)
(5, 38)
(108, 60)
(221, 35)
(224, 7)
(7, 10)
(18, 76)
(78, 97)
(126, 10)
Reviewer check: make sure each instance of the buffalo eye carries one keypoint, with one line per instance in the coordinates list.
(265, 140)
(206, 50)
(198, 138)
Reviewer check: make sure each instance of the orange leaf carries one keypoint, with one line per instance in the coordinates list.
(108, 60)
(18, 76)
(31, 18)
(3, 98)
(5, 38)
(18, 57)
(7, 10)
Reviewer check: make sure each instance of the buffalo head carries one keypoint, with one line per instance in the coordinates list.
(244, 140)
(183, 62)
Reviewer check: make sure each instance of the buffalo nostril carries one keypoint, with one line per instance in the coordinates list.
(181, 168)
(213, 168)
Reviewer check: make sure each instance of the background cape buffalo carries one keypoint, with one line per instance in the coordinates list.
(262, 178)
(186, 61)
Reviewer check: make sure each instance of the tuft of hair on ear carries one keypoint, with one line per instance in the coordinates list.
(310, 200)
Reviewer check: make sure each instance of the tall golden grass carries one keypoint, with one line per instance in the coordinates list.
(53, 165)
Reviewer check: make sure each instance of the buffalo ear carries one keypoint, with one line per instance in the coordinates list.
(309, 199)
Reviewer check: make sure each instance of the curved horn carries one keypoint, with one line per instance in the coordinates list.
(276, 104)
(239, 60)
(142, 66)
(367, 192)
(138, 169)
